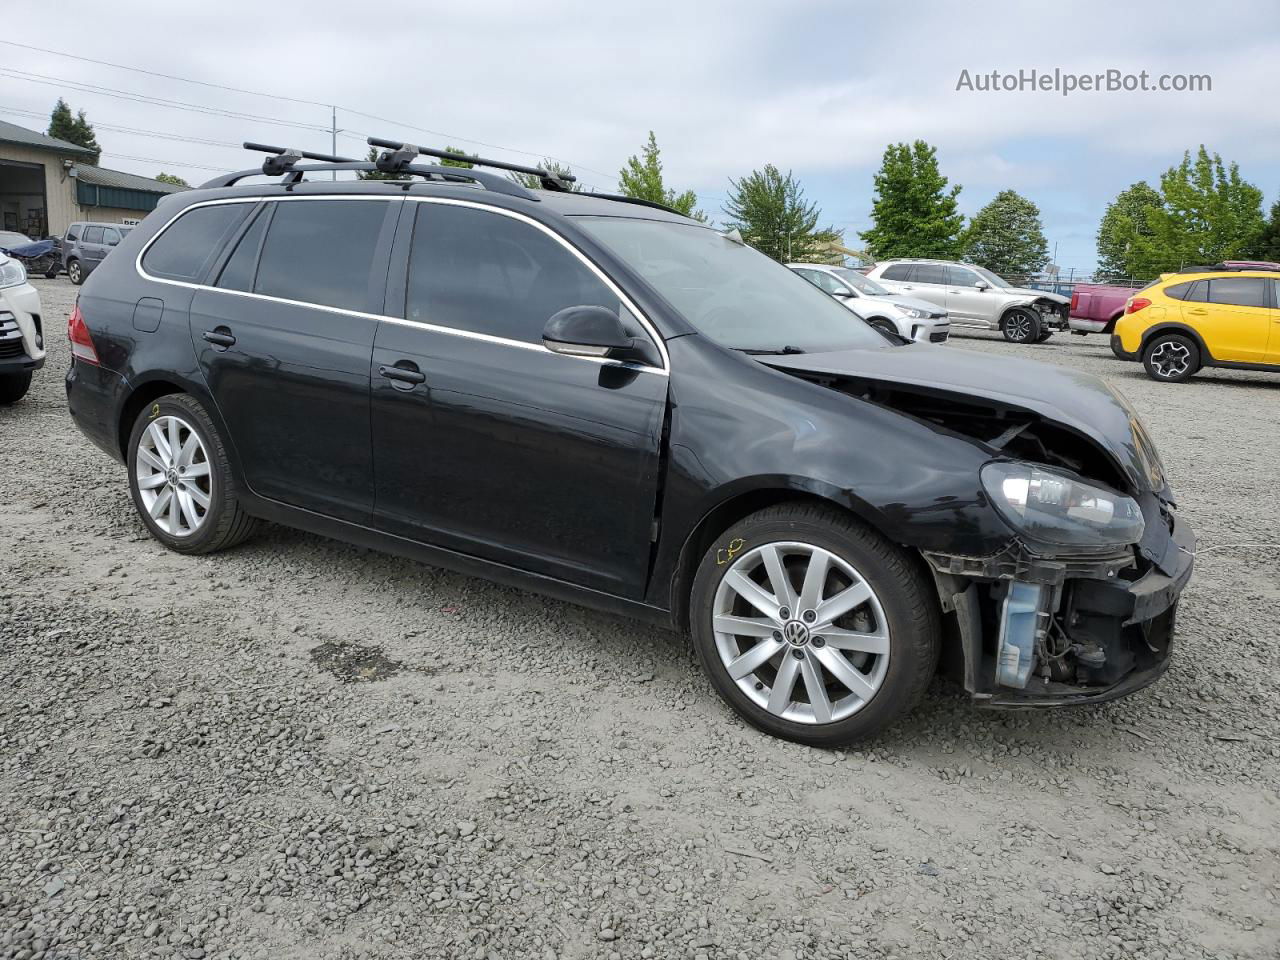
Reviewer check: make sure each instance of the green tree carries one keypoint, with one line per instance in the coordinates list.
(553, 167)
(73, 128)
(1126, 218)
(1005, 236)
(458, 163)
(771, 213)
(642, 179)
(1209, 213)
(913, 214)
(171, 178)
(1268, 247)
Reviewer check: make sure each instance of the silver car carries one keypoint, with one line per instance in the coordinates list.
(975, 297)
(87, 244)
(910, 318)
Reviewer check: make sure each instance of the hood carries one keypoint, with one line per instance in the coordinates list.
(915, 303)
(26, 251)
(1078, 401)
(1032, 292)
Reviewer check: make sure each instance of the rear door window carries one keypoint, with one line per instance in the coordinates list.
(92, 234)
(242, 268)
(1238, 291)
(929, 273)
(489, 273)
(899, 271)
(321, 252)
(186, 249)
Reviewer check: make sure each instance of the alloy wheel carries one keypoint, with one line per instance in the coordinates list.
(1018, 326)
(173, 475)
(1170, 359)
(801, 632)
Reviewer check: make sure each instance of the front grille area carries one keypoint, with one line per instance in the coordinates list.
(10, 337)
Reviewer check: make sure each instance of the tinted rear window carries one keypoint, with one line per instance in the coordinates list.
(321, 251)
(1238, 291)
(1179, 291)
(185, 250)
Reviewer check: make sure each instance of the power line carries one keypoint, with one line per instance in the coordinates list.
(166, 163)
(136, 131)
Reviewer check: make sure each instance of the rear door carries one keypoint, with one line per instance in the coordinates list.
(487, 443)
(92, 249)
(1233, 315)
(284, 341)
(928, 281)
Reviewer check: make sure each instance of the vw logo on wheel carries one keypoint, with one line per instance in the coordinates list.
(795, 633)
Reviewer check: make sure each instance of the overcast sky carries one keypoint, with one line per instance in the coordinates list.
(812, 86)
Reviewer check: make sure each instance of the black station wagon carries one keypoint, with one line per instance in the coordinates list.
(603, 400)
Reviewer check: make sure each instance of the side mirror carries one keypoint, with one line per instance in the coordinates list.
(113, 243)
(843, 294)
(981, 284)
(590, 331)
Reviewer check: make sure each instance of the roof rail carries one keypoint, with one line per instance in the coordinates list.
(1231, 266)
(402, 153)
(285, 160)
(636, 200)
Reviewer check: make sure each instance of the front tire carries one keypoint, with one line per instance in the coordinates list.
(1171, 358)
(13, 387)
(181, 480)
(1021, 325)
(885, 327)
(75, 272)
(812, 626)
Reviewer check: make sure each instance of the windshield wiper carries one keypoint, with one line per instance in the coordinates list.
(771, 352)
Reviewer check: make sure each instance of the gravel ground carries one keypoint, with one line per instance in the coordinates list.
(301, 749)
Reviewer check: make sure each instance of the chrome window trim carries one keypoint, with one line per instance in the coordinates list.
(418, 324)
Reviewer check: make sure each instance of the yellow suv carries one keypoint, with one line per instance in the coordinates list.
(1226, 315)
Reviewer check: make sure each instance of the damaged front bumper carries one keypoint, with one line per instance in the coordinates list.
(1048, 631)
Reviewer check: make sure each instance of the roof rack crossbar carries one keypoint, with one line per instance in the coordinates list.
(401, 152)
(293, 174)
(284, 159)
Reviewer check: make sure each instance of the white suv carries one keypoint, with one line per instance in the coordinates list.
(914, 319)
(21, 335)
(975, 297)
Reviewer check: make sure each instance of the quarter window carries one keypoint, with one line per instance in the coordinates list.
(489, 273)
(321, 251)
(187, 247)
(241, 269)
(1179, 291)
(1238, 291)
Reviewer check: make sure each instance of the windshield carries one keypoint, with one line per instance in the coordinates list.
(991, 278)
(731, 292)
(861, 282)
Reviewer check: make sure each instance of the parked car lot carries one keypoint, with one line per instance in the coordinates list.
(306, 748)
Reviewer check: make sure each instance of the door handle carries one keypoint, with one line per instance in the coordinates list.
(219, 337)
(409, 375)
(1198, 312)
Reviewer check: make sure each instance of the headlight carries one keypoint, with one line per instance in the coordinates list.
(1051, 507)
(12, 273)
(911, 312)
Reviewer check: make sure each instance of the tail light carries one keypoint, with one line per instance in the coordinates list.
(1136, 304)
(1075, 300)
(81, 343)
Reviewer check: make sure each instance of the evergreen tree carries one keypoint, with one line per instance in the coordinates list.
(74, 129)
(1006, 237)
(771, 213)
(1268, 247)
(642, 179)
(913, 214)
(1126, 218)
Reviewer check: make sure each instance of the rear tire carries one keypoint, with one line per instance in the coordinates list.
(891, 639)
(196, 509)
(1021, 325)
(1171, 358)
(13, 387)
(75, 273)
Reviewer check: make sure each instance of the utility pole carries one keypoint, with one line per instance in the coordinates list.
(333, 137)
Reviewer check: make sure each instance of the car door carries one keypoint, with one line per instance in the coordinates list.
(1273, 339)
(928, 281)
(284, 338)
(92, 249)
(487, 443)
(1233, 316)
(966, 302)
